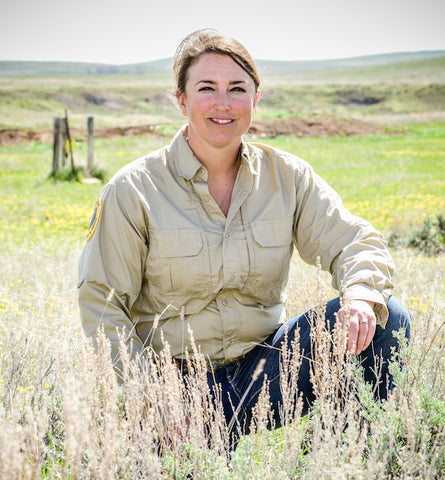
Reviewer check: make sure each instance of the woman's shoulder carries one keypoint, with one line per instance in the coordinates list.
(152, 165)
(140, 167)
(263, 153)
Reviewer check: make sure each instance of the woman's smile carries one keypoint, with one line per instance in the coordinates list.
(222, 121)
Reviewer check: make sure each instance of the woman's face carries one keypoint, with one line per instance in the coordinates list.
(219, 101)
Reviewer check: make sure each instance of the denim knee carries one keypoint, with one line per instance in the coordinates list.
(399, 317)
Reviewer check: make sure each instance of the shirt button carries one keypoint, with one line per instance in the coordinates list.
(227, 235)
(232, 277)
(225, 302)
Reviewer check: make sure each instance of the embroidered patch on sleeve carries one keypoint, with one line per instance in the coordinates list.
(94, 219)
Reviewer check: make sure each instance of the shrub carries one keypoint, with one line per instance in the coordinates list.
(430, 239)
(68, 175)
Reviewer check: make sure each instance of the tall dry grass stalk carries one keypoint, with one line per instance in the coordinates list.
(64, 415)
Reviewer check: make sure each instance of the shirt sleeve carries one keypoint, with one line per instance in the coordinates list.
(350, 248)
(111, 267)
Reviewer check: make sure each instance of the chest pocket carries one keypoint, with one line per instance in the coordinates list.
(177, 264)
(270, 251)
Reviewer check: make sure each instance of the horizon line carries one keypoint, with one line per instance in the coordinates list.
(161, 59)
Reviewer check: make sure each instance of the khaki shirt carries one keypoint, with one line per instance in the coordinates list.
(162, 260)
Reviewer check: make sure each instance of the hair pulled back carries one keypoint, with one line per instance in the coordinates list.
(210, 41)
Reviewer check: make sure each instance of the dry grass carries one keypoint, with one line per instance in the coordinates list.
(62, 414)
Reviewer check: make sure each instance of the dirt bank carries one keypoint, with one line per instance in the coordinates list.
(313, 126)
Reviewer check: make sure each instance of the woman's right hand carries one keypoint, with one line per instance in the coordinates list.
(359, 318)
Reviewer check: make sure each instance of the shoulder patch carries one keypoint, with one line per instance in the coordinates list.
(94, 219)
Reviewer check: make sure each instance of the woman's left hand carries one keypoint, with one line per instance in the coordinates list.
(359, 317)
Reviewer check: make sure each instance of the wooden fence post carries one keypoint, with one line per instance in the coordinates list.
(70, 144)
(90, 127)
(56, 145)
(62, 127)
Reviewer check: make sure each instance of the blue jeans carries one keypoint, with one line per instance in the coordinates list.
(234, 379)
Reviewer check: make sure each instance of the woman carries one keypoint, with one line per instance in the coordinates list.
(198, 236)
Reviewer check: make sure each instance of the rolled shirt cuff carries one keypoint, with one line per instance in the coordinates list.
(364, 292)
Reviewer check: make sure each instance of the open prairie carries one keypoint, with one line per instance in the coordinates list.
(375, 133)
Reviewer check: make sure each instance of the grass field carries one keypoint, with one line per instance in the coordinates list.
(62, 414)
(52, 398)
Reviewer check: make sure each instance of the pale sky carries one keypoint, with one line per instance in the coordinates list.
(133, 31)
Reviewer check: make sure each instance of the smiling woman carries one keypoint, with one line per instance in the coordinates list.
(219, 101)
(192, 244)
(217, 89)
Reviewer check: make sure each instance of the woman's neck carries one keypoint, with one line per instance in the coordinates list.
(218, 161)
(222, 165)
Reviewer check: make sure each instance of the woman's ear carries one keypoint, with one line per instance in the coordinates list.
(180, 97)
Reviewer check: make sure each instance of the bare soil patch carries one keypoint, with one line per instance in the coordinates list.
(104, 99)
(16, 137)
(313, 126)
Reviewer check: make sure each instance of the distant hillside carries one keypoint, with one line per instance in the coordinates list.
(26, 68)
(163, 66)
(273, 66)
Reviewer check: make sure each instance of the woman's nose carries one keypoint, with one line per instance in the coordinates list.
(222, 101)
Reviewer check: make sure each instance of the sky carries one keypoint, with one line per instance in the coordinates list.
(136, 31)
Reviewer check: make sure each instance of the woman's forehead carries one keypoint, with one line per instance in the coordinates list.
(215, 67)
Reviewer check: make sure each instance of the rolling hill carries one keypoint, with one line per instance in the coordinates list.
(163, 66)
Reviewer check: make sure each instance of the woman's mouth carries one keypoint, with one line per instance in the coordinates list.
(222, 121)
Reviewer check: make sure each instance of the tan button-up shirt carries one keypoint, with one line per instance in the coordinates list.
(162, 260)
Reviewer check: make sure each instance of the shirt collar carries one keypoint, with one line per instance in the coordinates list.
(187, 165)
(248, 155)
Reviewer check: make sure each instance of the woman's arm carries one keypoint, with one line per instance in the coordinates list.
(348, 247)
(111, 269)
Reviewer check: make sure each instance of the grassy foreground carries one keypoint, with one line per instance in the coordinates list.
(62, 414)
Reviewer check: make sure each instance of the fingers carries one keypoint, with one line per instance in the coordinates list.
(366, 330)
(353, 335)
(361, 324)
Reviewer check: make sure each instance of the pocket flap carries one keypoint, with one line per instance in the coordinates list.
(275, 232)
(175, 243)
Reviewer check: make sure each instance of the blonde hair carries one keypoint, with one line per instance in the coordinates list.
(210, 41)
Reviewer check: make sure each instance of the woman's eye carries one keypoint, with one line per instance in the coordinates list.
(208, 88)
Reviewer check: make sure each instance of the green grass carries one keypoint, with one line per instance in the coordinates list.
(34, 207)
(362, 100)
(393, 181)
